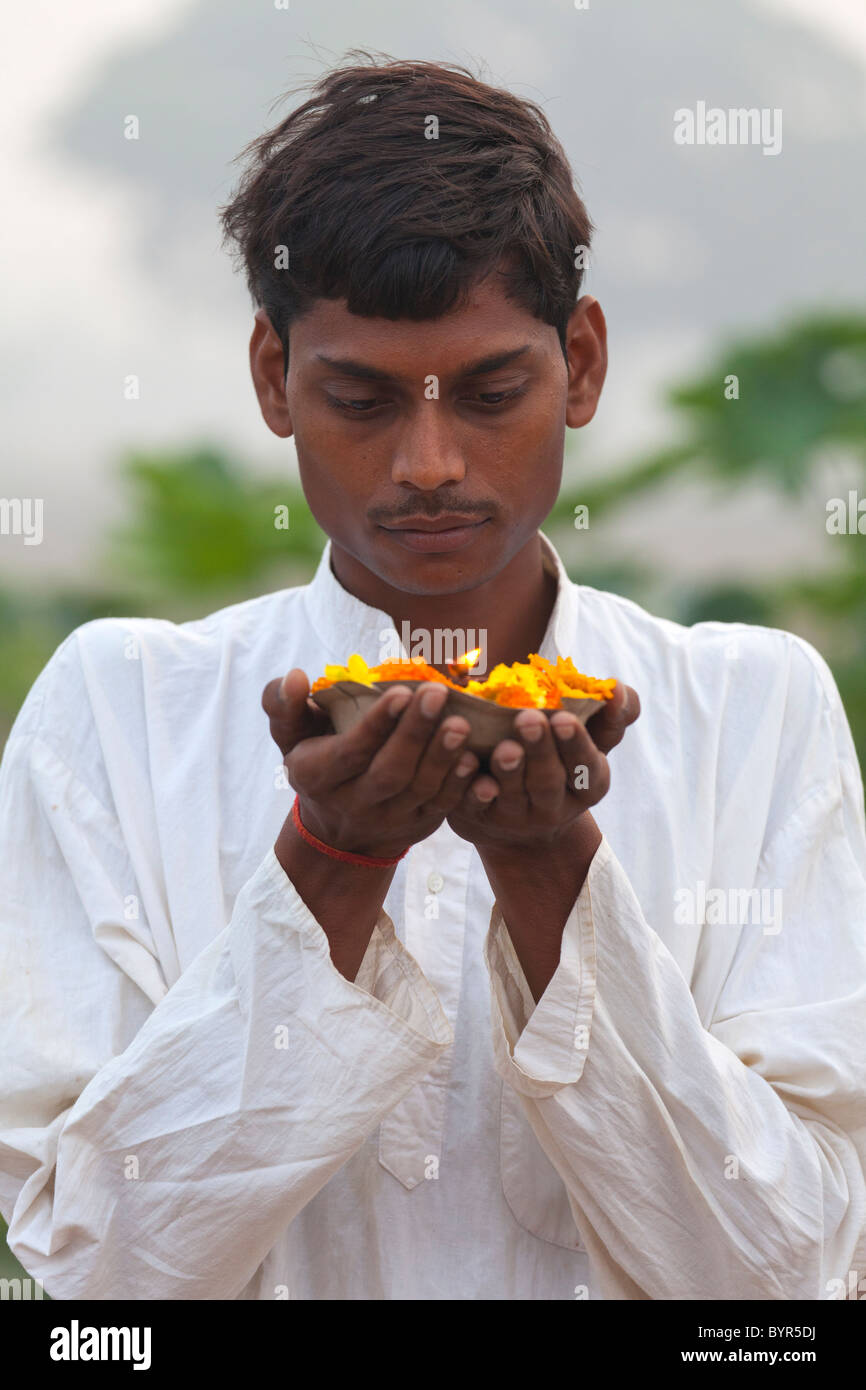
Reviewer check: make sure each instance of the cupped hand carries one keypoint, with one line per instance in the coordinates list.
(542, 780)
(381, 786)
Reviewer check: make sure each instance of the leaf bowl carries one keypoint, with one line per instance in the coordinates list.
(348, 701)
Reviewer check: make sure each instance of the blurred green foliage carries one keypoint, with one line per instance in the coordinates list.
(801, 403)
(802, 394)
(202, 533)
(201, 524)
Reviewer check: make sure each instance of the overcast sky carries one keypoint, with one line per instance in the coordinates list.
(113, 264)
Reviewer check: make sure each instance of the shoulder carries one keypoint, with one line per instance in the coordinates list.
(730, 663)
(736, 706)
(104, 668)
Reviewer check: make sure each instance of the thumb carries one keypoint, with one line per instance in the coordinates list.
(606, 728)
(293, 715)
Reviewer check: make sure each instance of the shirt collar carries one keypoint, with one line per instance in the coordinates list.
(344, 624)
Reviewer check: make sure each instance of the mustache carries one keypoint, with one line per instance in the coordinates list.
(430, 511)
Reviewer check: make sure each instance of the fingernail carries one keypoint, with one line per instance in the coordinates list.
(398, 700)
(532, 732)
(563, 731)
(466, 765)
(453, 738)
(510, 761)
(284, 690)
(432, 701)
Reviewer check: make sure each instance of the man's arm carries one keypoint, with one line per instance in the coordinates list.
(530, 823)
(155, 1142)
(536, 890)
(724, 1161)
(384, 785)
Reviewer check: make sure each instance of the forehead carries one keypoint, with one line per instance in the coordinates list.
(487, 321)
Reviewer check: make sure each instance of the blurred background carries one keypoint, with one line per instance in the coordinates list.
(733, 283)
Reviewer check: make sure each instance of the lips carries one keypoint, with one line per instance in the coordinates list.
(439, 523)
(436, 535)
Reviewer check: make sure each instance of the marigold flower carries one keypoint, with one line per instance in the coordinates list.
(533, 684)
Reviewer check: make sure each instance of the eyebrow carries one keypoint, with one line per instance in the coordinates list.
(481, 367)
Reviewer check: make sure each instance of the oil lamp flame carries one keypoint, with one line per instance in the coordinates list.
(459, 670)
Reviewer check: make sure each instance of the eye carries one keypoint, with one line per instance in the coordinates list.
(360, 406)
(366, 405)
(494, 398)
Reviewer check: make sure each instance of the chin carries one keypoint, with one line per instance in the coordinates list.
(429, 577)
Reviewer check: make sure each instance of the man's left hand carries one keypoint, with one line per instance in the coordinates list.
(538, 787)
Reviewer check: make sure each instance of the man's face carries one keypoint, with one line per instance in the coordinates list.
(429, 451)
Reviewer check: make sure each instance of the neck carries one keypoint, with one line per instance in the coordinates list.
(507, 615)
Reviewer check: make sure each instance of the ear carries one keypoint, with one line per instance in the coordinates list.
(266, 365)
(586, 345)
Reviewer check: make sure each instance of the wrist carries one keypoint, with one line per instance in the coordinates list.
(318, 876)
(579, 839)
(338, 844)
(345, 899)
(536, 889)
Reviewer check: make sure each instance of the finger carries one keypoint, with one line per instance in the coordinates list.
(564, 727)
(544, 778)
(454, 787)
(354, 751)
(396, 762)
(607, 728)
(586, 767)
(480, 795)
(292, 715)
(577, 751)
(441, 755)
(507, 763)
(320, 765)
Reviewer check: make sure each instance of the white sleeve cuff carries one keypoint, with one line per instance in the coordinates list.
(390, 981)
(539, 1048)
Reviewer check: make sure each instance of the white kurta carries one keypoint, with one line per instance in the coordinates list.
(195, 1104)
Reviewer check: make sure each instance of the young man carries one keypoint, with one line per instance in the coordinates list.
(541, 1052)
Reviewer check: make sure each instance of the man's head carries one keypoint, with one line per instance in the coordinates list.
(414, 244)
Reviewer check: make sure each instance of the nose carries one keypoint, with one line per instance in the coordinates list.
(428, 452)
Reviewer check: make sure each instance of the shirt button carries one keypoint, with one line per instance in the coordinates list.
(435, 883)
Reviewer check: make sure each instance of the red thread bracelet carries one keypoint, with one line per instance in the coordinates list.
(365, 860)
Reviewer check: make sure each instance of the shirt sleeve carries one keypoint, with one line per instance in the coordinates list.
(156, 1141)
(723, 1161)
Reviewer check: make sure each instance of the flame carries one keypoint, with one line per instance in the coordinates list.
(468, 661)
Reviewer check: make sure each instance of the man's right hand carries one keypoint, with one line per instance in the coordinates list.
(386, 783)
